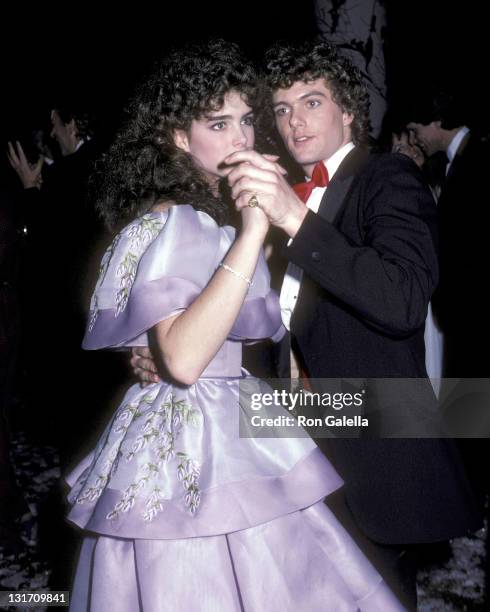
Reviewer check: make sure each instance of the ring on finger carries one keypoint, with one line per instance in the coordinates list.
(253, 202)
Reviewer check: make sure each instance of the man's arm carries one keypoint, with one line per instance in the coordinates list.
(389, 272)
(388, 278)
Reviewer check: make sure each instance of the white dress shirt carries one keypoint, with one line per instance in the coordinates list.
(454, 146)
(294, 274)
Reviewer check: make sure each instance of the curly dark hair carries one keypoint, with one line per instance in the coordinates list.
(287, 63)
(144, 165)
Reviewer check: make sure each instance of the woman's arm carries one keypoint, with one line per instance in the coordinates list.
(188, 341)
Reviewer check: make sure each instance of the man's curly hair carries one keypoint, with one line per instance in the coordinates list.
(287, 63)
(144, 166)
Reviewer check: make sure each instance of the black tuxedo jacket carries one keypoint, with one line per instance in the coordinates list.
(64, 233)
(460, 303)
(370, 266)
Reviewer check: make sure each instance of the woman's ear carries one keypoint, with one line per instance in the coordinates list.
(181, 140)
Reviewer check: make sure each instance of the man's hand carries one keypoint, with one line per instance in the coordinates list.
(144, 367)
(262, 176)
(29, 174)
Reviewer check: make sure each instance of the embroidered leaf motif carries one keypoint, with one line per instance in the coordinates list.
(141, 232)
(104, 265)
(188, 473)
(159, 432)
(154, 505)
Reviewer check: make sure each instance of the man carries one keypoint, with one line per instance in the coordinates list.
(363, 267)
(438, 124)
(65, 240)
(59, 191)
(62, 233)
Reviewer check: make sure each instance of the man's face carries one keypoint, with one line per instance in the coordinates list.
(427, 137)
(312, 126)
(64, 133)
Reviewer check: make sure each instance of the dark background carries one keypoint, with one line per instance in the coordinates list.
(47, 51)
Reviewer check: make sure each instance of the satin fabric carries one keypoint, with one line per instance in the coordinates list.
(157, 266)
(319, 178)
(243, 481)
(301, 561)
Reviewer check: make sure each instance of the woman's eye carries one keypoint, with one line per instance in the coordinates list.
(281, 111)
(248, 120)
(219, 125)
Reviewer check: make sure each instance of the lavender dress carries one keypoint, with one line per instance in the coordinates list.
(183, 514)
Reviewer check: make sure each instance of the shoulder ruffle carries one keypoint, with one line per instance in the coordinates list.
(157, 266)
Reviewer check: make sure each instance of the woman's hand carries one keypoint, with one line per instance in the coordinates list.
(255, 174)
(254, 222)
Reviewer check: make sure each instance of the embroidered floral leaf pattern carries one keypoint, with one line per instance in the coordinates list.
(154, 505)
(141, 232)
(188, 472)
(91, 491)
(159, 433)
(156, 434)
(104, 265)
(133, 410)
(94, 313)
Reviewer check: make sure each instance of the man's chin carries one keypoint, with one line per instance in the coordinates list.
(305, 162)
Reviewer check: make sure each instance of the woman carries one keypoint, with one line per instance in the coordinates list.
(184, 514)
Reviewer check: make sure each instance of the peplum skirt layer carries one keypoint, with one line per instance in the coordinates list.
(184, 514)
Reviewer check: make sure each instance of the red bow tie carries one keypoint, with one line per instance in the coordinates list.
(319, 178)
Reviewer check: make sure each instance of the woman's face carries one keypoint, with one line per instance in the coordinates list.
(220, 133)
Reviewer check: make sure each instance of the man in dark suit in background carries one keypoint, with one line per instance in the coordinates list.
(65, 240)
(61, 224)
(363, 265)
(438, 122)
(439, 125)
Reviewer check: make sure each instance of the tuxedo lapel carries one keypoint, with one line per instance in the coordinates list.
(334, 198)
(338, 188)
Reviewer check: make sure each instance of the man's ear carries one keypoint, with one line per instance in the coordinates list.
(181, 140)
(72, 128)
(347, 118)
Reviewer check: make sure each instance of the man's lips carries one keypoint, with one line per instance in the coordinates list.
(299, 140)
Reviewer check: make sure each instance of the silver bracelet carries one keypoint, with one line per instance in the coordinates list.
(239, 274)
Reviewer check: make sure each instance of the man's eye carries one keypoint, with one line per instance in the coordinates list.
(219, 125)
(313, 103)
(248, 120)
(281, 111)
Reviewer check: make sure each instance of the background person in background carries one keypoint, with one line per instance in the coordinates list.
(63, 241)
